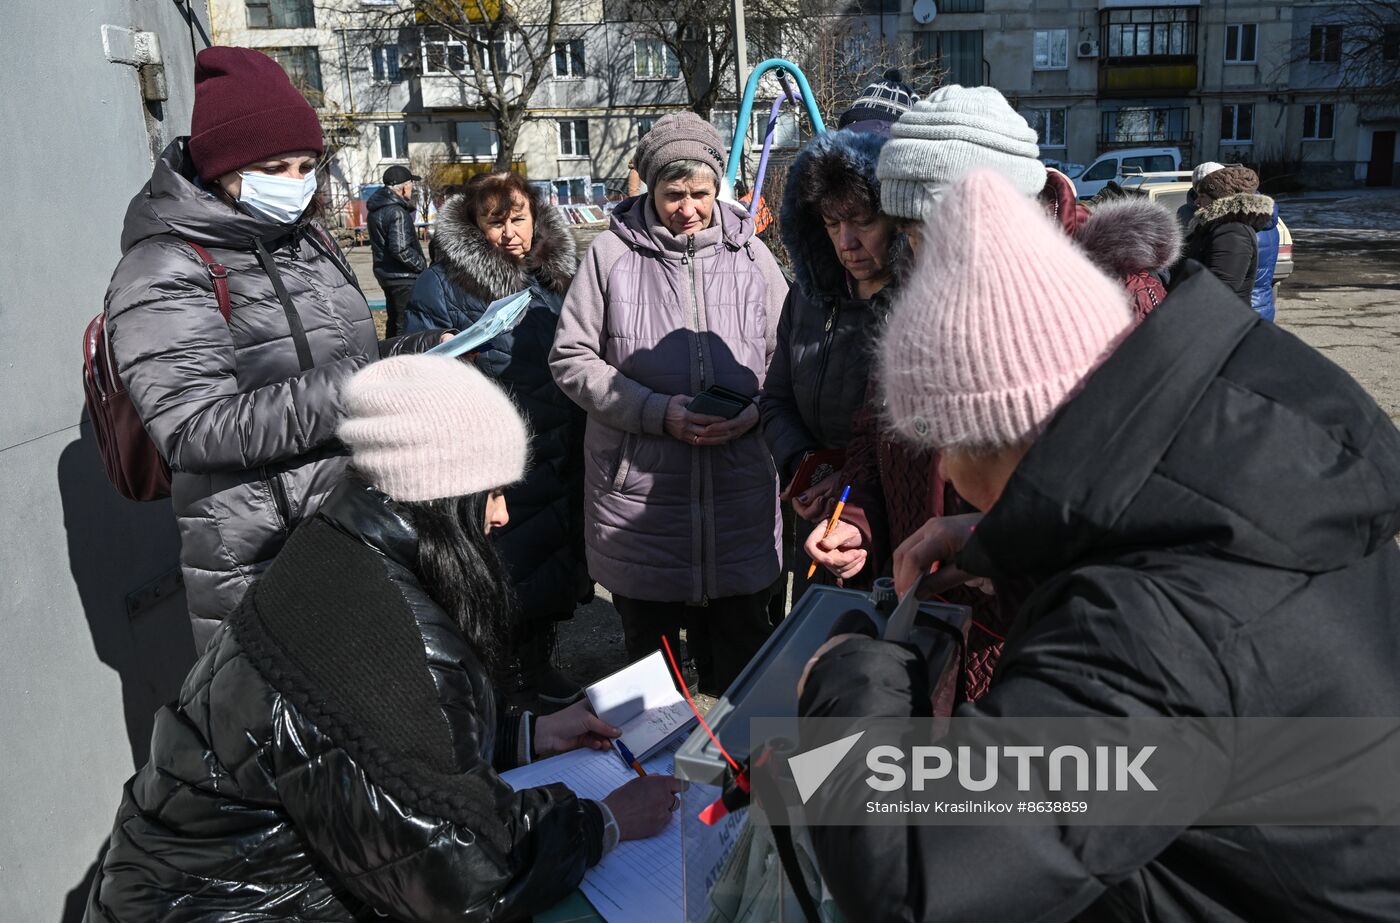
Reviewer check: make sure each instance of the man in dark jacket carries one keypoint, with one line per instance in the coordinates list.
(393, 236)
(1208, 517)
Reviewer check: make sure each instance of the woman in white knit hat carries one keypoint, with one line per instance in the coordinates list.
(334, 753)
(1205, 509)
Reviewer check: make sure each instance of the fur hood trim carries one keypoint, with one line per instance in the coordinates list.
(1130, 235)
(826, 162)
(484, 272)
(1249, 208)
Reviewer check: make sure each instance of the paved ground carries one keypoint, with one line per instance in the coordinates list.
(1342, 299)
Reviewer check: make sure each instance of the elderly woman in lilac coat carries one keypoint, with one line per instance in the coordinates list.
(681, 508)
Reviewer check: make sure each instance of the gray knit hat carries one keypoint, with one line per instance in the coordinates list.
(679, 136)
(950, 134)
(429, 427)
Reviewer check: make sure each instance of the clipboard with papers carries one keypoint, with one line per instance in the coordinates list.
(501, 316)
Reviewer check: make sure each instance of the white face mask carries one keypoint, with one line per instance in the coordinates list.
(280, 198)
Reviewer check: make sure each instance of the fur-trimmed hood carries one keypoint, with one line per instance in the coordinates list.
(824, 163)
(1130, 235)
(1249, 208)
(484, 272)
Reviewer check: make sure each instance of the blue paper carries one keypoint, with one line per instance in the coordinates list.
(500, 317)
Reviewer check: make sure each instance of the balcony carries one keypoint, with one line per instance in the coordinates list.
(1118, 141)
(1148, 76)
(447, 91)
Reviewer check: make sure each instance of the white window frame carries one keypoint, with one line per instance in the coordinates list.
(1052, 38)
(450, 42)
(393, 131)
(573, 139)
(1317, 122)
(582, 58)
(1036, 116)
(1235, 140)
(655, 47)
(1234, 43)
(471, 156)
(789, 125)
(653, 119)
(381, 59)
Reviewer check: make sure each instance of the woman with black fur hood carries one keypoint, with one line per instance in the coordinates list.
(496, 238)
(1223, 235)
(843, 251)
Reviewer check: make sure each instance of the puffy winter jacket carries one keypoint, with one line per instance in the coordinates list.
(650, 315)
(1222, 238)
(333, 756)
(245, 412)
(1262, 298)
(543, 544)
(392, 237)
(1209, 525)
(816, 381)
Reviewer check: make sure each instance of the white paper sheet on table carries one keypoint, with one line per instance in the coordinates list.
(642, 700)
(640, 880)
(500, 316)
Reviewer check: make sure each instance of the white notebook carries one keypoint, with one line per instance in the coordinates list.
(642, 701)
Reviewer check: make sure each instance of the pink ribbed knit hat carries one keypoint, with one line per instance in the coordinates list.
(999, 323)
(429, 427)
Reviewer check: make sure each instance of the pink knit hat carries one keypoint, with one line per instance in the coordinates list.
(999, 323)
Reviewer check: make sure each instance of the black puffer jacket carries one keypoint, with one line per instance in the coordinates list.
(816, 380)
(245, 412)
(392, 237)
(543, 545)
(1224, 238)
(1210, 528)
(334, 754)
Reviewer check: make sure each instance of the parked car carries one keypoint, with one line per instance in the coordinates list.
(1115, 166)
(1170, 187)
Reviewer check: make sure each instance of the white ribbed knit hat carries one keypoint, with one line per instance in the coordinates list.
(429, 427)
(1204, 169)
(945, 137)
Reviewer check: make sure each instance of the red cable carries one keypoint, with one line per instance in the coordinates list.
(680, 681)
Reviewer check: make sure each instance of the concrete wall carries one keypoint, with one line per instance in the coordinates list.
(80, 677)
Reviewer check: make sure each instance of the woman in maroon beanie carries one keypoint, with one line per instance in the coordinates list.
(243, 407)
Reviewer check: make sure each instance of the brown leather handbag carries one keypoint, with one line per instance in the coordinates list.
(133, 463)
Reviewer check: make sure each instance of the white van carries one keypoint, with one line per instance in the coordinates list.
(1115, 165)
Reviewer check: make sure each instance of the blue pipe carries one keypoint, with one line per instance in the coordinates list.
(741, 121)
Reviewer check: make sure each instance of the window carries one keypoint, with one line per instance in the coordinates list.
(1104, 169)
(573, 137)
(1051, 49)
(385, 59)
(1325, 44)
(1318, 121)
(787, 133)
(303, 66)
(1132, 127)
(1049, 125)
(724, 122)
(1240, 43)
(959, 53)
(959, 6)
(476, 139)
(646, 123)
(1236, 124)
(393, 141)
(568, 58)
(281, 14)
(1153, 163)
(1149, 32)
(654, 60)
(572, 190)
(445, 53)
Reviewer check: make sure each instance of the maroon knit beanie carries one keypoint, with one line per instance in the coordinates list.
(246, 110)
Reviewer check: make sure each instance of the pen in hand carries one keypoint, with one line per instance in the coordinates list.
(629, 759)
(835, 518)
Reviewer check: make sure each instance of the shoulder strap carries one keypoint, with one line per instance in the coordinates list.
(218, 275)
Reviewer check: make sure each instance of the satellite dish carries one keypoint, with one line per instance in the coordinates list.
(925, 11)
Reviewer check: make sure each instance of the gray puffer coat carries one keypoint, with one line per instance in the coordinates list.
(245, 412)
(652, 314)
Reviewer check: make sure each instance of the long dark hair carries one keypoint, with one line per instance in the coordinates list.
(462, 571)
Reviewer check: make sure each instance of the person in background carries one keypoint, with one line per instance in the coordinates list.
(334, 754)
(1096, 448)
(393, 238)
(243, 410)
(498, 237)
(681, 508)
(1223, 234)
(1261, 298)
(1187, 211)
(843, 252)
(879, 105)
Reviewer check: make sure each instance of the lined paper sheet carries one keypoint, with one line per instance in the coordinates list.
(640, 880)
(642, 701)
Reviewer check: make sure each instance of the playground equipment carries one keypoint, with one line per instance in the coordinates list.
(801, 95)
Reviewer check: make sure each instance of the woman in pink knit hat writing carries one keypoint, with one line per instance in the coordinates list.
(1205, 509)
